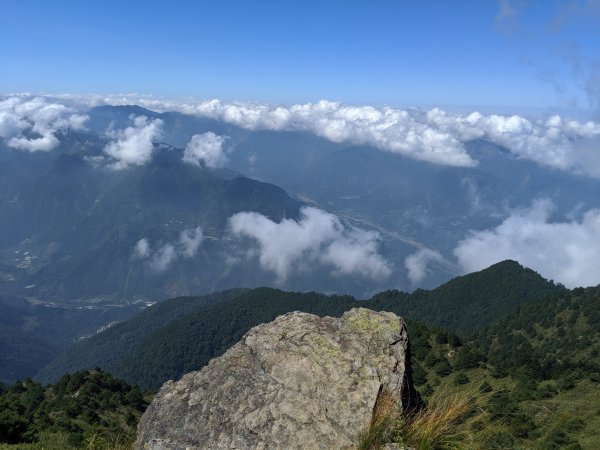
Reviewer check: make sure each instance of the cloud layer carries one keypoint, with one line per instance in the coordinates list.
(555, 142)
(434, 136)
(206, 149)
(161, 258)
(318, 237)
(564, 251)
(30, 124)
(133, 145)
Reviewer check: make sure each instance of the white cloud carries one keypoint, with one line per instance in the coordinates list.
(417, 263)
(142, 249)
(160, 259)
(189, 241)
(133, 145)
(318, 237)
(44, 143)
(386, 128)
(207, 149)
(434, 136)
(30, 124)
(555, 142)
(567, 252)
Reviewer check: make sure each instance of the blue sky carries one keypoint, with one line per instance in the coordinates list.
(481, 53)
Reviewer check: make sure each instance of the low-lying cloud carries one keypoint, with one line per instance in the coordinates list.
(417, 264)
(206, 149)
(318, 237)
(564, 251)
(134, 145)
(31, 124)
(159, 259)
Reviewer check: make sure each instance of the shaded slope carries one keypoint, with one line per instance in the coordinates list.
(69, 228)
(106, 349)
(33, 334)
(190, 342)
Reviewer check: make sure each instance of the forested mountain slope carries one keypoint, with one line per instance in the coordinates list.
(34, 333)
(88, 409)
(470, 301)
(533, 375)
(117, 342)
(149, 354)
(69, 229)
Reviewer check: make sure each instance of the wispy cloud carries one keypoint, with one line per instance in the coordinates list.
(559, 59)
(564, 251)
(507, 13)
(189, 241)
(159, 259)
(317, 238)
(162, 258)
(417, 264)
(142, 249)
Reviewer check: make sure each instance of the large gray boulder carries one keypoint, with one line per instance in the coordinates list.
(298, 382)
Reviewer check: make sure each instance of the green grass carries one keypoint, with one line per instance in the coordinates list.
(61, 441)
(574, 412)
(582, 402)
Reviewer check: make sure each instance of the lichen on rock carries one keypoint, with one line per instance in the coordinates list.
(301, 381)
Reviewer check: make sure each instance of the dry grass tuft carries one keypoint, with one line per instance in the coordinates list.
(434, 427)
(431, 428)
(386, 415)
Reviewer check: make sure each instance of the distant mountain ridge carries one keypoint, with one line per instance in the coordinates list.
(68, 230)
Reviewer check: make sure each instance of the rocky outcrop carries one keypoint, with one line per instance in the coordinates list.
(301, 381)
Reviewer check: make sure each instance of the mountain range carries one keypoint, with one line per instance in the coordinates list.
(71, 218)
(130, 209)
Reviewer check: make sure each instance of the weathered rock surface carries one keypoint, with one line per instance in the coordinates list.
(301, 381)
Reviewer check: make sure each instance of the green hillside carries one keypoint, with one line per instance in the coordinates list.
(533, 376)
(188, 341)
(88, 409)
(470, 301)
